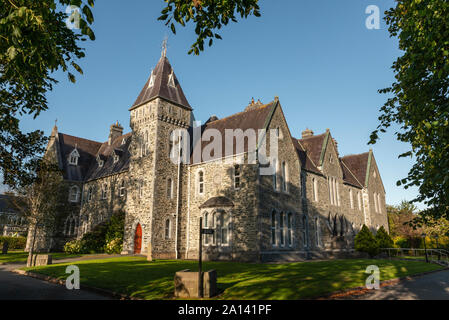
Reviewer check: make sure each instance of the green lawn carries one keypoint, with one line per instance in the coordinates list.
(21, 256)
(136, 277)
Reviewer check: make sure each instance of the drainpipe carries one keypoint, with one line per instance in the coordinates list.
(178, 195)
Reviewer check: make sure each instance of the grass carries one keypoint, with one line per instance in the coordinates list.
(137, 277)
(21, 256)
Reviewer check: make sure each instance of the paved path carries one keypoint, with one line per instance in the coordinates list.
(18, 287)
(434, 286)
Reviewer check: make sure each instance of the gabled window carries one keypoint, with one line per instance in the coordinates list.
(152, 78)
(73, 157)
(237, 176)
(100, 161)
(123, 142)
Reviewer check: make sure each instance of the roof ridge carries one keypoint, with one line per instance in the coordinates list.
(89, 140)
(241, 112)
(354, 155)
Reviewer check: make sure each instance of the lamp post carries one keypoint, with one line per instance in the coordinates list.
(438, 251)
(425, 246)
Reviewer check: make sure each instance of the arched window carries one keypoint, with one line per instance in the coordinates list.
(317, 231)
(290, 229)
(284, 177)
(282, 229)
(122, 188)
(359, 200)
(209, 224)
(378, 203)
(146, 143)
(305, 231)
(74, 194)
(169, 188)
(171, 145)
(141, 189)
(89, 194)
(224, 226)
(200, 182)
(273, 228)
(237, 176)
(167, 229)
(375, 202)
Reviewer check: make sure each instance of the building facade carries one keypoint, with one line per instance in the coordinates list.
(312, 205)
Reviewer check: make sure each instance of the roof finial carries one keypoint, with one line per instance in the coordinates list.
(164, 47)
(56, 122)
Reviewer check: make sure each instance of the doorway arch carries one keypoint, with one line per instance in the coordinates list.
(138, 239)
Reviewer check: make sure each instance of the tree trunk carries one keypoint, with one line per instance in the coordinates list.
(31, 251)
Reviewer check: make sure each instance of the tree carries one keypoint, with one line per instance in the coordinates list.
(365, 242)
(207, 15)
(383, 239)
(419, 101)
(34, 42)
(43, 202)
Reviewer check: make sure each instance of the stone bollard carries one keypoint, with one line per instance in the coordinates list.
(39, 260)
(5, 247)
(186, 284)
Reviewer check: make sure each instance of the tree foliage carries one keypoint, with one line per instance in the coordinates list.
(383, 239)
(365, 242)
(208, 16)
(419, 101)
(34, 42)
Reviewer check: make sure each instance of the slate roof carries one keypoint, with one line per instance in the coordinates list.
(161, 88)
(251, 119)
(357, 164)
(313, 145)
(87, 150)
(305, 160)
(5, 204)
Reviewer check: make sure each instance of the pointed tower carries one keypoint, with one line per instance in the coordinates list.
(155, 180)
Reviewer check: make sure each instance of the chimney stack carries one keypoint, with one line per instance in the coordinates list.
(307, 133)
(116, 130)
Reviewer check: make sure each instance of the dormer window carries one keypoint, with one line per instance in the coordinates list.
(123, 142)
(73, 157)
(116, 158)
(171, 80)
(152, 78)
(100, 161)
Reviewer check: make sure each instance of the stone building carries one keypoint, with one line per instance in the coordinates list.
(311, 206)
(12, 221)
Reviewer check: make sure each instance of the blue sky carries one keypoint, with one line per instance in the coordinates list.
(317, 56)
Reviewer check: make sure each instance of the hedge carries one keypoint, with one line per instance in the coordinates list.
(15, 243)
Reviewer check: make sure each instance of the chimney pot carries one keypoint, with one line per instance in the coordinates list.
(307, 133)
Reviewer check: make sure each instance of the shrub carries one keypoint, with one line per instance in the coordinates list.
(383, 239)
(401, 242)
(365, 242)
(15, 243)
(73, 247)
(114, 246)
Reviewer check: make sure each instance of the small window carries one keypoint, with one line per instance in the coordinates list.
(104, 192)
(169, 188)
(89, 194)
(73, 157)
(122, 188)
(152, 78)
(167, 229)
(116, 158)
(284, 176)
(224, 226)
(305, 231)
(351, 199)
(275, 177)
(282, 228)
(201, 182)
(237, 176)
(273, 228)
(290, 229)
(315, 189)
(140, 189)
(359, 200)
(317, 231)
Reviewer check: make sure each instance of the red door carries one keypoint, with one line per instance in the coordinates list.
(138, 239)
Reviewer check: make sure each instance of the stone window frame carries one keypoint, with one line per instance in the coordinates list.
(74, 194)
(200, 185)
(237, 177)
(221, 221)
(168, 229)
(71, 225)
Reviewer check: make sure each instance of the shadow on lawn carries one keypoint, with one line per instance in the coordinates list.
(136, 277)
